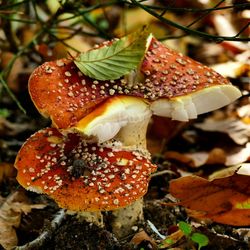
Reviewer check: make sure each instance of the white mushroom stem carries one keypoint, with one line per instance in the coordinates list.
(124, 117)
(134, 133)
(91, 217)
(125, 218)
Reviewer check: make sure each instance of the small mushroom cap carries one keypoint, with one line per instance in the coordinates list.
(80, 176)
(181, 87)
(109, 117)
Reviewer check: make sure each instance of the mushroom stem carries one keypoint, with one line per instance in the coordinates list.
(91, 217)
(134, 133)
(125, 218)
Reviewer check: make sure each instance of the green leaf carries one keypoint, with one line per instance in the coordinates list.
(185, 228)
(115, 60)
(243, 205)
(4, 113)
(201, 239)
(169, 241)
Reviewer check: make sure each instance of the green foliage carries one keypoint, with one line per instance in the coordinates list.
(115, 60)
(185, 228)
(169, 241)
(201, 239)
(4, 112)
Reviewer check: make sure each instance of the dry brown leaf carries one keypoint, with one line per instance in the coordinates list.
(244, 111)
(225, 200)
(238, 155)
(197, 159)
(6, 170)
(10, 216)
(224, 26)
(141, 236)
(223, 173)
(171, 239)
(236, 129)
(229, 157)
(232, 69)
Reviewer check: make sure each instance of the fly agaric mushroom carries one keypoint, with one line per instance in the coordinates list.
(81, 176)
(170, 85)
(182, 88)
(73, 100)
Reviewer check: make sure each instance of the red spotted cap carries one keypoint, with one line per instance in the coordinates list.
(181, 88)
(170, 85)
(81, 176)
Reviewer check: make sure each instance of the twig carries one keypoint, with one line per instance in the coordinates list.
(159, 173)
(7, 29)
(5, 73)
(63, 42)
(5, 85)
(155, 230)
(243, 29)
(89, 9)
(187, 30)
(173, 9)
(10, 6)
(205, 14)
(17, 19)
(45, 235)
(94, 25)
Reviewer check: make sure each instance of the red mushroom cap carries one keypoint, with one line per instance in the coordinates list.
(63, 93)
(176, 74)
(81, 176)
(175, 85)
(180, 87)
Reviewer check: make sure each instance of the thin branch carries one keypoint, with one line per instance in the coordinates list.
(94, 25)
(205, 14)
(46, 234)
(5, 73)
(190, 31)
(7, 29)
(173, 9)
(17, 19)
(243, 29)
(5, 85)
(172, 37)
(89, 9)
(208, 11)
(11, 6)
(63, 42)
(35, 11)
